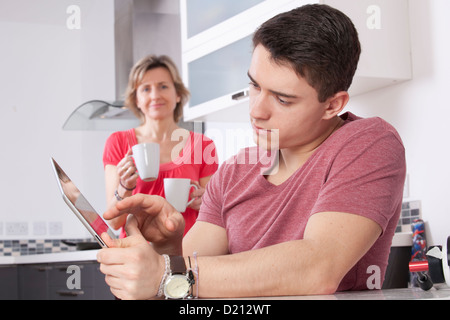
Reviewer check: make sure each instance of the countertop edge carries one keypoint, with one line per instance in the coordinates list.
(399, 240)
(402, 239)
(73, 256)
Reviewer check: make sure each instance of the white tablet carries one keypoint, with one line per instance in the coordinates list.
(80, 206)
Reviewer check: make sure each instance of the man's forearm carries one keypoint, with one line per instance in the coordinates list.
(291, 268)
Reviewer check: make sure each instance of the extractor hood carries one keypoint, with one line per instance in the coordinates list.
(141, 27)
(101, 115)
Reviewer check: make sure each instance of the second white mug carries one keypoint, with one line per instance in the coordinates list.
(177, 192)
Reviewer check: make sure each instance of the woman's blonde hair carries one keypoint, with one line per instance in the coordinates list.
(137, 74)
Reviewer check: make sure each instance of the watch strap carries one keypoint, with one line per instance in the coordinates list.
(177, 265)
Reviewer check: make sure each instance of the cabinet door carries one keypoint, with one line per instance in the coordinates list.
(216, 61)
(9, 283)
(71, 281)
(33, 281)
(202, 15)
(383, 27)
(101, 290)
(220, 73)
(92, 283)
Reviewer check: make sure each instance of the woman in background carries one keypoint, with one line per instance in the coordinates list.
(156, 95)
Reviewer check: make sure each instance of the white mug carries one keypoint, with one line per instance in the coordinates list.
(146, 159)
(177, 192)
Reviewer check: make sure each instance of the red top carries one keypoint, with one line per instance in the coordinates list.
(198, 159)
(360, 169)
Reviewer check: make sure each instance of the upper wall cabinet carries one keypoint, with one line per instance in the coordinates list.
(217, 48)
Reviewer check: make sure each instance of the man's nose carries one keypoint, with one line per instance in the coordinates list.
(259, 106)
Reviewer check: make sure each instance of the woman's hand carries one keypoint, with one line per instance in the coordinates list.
(197, 194)
(127, 172)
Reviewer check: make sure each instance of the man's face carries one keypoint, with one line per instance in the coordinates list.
(283, 106)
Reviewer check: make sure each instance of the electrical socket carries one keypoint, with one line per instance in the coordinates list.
(55, 228)
(39, 228)
(16, 228)
(1, 228)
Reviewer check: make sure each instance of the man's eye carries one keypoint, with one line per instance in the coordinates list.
(283, 102)
(254, 85)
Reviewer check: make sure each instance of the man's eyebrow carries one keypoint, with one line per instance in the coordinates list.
(280, 94)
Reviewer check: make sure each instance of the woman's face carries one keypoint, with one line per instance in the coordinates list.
(156, 95)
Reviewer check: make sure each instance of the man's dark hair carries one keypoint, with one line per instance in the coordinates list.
(319, 42)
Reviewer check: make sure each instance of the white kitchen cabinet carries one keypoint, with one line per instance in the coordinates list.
(383, 27)
(9, 289)
(217, 49)
(48, 281)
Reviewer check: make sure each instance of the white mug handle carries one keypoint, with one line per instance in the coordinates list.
(192, 185)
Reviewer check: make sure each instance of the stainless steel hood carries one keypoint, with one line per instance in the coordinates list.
(141, 27)
(101, 115)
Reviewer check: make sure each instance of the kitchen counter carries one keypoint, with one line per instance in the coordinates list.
(386, 294)
(442, 293)
(402, 239)
(72, 256)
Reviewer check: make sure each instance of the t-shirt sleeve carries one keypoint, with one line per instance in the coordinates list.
(116, 147)
(212, 199)
(366, 178)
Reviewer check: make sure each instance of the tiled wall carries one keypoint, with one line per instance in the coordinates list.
(41, 246)
(410, 211)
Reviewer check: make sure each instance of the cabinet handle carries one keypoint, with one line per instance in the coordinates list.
(240, 95)
(43, 268)
(70, 293)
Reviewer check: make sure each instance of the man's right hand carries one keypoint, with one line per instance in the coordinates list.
(157, 220)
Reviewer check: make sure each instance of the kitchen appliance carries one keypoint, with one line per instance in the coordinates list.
(141, 27)
(101, 115)
(435, 270)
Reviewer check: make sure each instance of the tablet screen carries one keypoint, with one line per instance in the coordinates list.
(78, 201)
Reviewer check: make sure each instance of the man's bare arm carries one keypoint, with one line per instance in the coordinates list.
(333, 243)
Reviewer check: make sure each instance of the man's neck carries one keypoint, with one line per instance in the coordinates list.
(292, 159)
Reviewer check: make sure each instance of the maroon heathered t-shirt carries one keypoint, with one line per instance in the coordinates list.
(360, 169)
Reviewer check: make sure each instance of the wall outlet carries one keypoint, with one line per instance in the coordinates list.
(55, 228)
(16, 228)
(1, 228)
(39, 228)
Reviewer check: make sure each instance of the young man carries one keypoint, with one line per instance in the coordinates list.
(322, 222)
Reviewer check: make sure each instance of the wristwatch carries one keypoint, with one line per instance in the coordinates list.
(180, 280)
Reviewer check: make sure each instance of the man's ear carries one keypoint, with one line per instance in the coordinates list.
(336, 104)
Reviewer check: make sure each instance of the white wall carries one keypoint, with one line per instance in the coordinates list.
(420, 111)
(47, 70)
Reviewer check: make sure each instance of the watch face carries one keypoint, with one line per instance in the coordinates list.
(177, 287)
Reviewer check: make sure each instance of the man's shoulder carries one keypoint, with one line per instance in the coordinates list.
(368, 127)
